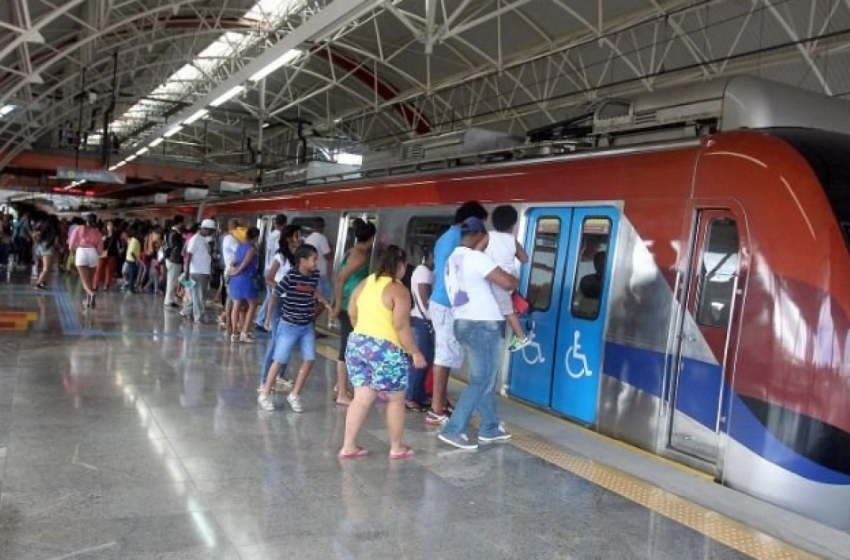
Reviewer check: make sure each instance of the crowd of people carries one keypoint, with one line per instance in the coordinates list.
(397, 322)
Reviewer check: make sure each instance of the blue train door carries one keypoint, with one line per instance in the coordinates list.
(581, 329)
(547, 243)
(566, 282)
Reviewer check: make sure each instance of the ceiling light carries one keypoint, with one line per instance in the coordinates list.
(156, 142)
(142, 151)
(130, 158)
(173, 131)
(284, 59)
(228, 95)
(6, 109)
(114, 167)
(120, 164)
(197, 116)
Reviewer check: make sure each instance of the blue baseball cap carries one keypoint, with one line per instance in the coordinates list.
(472, 225)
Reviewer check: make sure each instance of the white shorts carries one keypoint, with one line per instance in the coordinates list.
(503, 300)
(447, 351)
(86, 256)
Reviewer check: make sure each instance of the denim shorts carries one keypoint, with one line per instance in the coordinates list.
(376, 363)
(288, 335)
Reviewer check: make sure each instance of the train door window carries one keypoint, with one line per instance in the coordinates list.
(591, 268)
(718, 271)
(347, 233)
(543, 257)
(307, 223)
(423, 231)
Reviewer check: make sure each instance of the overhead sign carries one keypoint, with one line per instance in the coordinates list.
(91, 175)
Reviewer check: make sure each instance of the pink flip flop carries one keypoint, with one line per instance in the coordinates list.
(356, 454)
(406, 454)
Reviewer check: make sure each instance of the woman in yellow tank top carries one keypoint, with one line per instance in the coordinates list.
(376, 354)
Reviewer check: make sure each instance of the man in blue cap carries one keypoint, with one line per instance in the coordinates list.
(480, 327)
(447, 351)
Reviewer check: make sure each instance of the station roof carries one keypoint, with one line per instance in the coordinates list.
(349, 76)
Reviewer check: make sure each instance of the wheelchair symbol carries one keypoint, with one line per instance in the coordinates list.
(533, 349)
(574, 354)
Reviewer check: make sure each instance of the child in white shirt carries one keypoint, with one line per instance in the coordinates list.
(504, 249)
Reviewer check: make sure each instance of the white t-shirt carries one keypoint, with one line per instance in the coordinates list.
(199, 246)
(320, 242)
(282, 269)
(501, 247)
(228, 251)
(421, 275)
(469, 290)
(271, 248)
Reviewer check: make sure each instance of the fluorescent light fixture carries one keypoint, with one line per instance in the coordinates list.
(114, 167)
(197, 116)
(156, 142)
(6, 109)
(349, 159)
(228, 95)
(283, 60)
(173, 131)
(266, 125)
(120, 163)
(142, 151)
(130, 158)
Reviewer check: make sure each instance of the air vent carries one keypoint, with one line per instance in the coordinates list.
(645, 118)
(412, 151)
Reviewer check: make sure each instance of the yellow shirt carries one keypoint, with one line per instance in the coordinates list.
(134, 248)
(373, 317)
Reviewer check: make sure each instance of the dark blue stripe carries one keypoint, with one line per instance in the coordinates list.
(644, 369)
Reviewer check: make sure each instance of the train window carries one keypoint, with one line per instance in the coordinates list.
(544, 254)
(718, 271)
(591, 268)
(349, 227)
(423, 231)
(308, 224)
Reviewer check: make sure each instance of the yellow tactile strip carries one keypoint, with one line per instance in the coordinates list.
(726, 531)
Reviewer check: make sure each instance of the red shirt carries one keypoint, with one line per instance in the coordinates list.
(85, 236)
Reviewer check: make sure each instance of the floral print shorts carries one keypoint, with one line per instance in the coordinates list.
(376, 363)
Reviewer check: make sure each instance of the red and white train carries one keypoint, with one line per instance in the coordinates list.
(721, 335)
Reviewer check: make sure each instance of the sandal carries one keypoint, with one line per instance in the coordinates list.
(414, 407)
(406, 454)
(358, 453)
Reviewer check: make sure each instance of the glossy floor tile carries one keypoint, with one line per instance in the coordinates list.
(128, 433)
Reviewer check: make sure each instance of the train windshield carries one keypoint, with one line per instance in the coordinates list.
(828, 154)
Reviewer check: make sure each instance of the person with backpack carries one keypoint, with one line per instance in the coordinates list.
(173, 255)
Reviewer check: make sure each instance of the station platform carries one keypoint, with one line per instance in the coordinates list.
(127, 432)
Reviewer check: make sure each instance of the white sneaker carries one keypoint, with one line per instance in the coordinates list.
(295, 402)
(265, 402)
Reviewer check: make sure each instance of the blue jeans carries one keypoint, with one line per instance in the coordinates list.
(132, 274)
(267, 361)
(416, 376)
(264, 309)
(290, 335)
(482, 341)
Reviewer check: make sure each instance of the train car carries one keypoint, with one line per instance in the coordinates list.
(690, 296)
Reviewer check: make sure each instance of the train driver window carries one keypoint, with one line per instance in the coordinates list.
(591, 268)
(544, 254)
(718, 271)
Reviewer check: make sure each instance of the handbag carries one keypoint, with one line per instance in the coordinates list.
(428, 324)
(521, 305)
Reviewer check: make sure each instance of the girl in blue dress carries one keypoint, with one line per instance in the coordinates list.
(243, 287)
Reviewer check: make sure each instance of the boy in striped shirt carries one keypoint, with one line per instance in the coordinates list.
(298, 296)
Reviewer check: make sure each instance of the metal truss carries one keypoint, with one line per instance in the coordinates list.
(389, 70)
